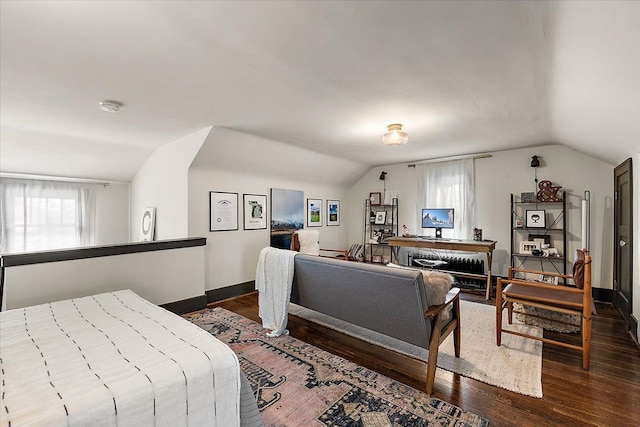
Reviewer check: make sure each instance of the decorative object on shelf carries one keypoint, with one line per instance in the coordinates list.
(548, 192)
(395, 135)
(147, 230)
(544, 239)
(389, 196)
(535, 219)
(314, 212)
(527, 247)
(223, 211)
(405, 230)
(255, 211)
(375, 199)
(477, 234)
(333, 212)
(381, 217)
(528, 197)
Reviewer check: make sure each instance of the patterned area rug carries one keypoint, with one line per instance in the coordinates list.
(297, 384)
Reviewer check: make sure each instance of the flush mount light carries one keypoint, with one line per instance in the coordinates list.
(110, 106)
(395, 135)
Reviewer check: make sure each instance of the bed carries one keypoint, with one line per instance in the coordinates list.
(113, 359)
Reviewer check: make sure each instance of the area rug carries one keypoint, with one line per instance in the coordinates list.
(297, 384)
(516, 365)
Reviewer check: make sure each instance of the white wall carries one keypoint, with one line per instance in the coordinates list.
(112, 214)
(159, 276)
(162, 183)
(241, 163)
(497, 177)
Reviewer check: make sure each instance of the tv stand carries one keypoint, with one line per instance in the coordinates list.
(484, 246)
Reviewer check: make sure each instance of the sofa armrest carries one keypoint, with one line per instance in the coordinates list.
(434, 310)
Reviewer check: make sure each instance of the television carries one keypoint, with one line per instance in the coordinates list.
(437, 218)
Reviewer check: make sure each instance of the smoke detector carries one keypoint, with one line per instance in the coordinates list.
(110, 106)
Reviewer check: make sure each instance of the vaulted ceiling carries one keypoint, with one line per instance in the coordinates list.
(463, 77)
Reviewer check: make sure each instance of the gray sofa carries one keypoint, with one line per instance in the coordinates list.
(387, 300)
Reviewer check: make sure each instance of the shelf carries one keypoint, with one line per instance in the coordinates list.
(550, 258)
(538, 203)
(544, 230)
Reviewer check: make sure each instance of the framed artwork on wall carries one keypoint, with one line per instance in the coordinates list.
(287, 216)
(314, 212)
(255, 211)
(223, 211)
(333, 212)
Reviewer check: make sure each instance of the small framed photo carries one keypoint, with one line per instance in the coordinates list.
(528, 197)
(375, 199)
(548, 279)
(333, 212)
(381, 217)
(544, 239)
(314, 213)
(535, 219)
(223, 211)
(377, 259)
(527, 247)
(255, 211)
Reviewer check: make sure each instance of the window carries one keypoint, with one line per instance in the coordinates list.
(449, 185)
(41, 215)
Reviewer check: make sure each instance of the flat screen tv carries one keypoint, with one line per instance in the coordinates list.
(437, 218)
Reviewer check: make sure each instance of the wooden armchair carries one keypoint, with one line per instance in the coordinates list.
(563, 299)
(331, 253)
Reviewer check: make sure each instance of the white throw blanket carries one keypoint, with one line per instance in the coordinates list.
(274, 277)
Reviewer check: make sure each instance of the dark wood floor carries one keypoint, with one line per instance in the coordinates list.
(606, 395)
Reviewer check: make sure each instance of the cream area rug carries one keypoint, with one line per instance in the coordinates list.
(516, 365)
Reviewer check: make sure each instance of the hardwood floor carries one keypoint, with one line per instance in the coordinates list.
(606, 395)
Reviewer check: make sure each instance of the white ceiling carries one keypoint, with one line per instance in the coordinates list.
(464, 77)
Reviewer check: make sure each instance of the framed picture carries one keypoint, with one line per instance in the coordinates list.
(377, 259)
(148, 225)
(548, 279)
(333, 212)
(314, 212)
(375, 199)
(223, 211)
(287, 216)
(528, 197)
(544, 239)
(535, 219)
(255, 211)
(381, 217)
(527, 247)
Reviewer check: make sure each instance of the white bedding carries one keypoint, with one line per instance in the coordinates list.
(113, 359)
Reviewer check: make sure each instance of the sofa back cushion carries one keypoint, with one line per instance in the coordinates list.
(388, 301)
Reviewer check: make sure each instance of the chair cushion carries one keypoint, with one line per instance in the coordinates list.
(578, 269)
(554, 297)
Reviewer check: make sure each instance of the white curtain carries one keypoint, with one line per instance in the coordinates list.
(40, 215)
(449, 185)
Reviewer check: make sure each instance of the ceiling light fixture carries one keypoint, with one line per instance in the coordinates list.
(395, 135)
(110, 106)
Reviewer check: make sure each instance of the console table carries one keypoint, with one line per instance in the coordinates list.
(483, 246)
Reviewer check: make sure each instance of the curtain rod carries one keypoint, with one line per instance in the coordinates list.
(58, 178)
(447, 159)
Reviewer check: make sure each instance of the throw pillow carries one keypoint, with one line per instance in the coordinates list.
(437, 285)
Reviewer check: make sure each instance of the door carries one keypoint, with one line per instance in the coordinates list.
(623, 244)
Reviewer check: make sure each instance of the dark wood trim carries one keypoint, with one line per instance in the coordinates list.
(186, 305)
(233, 291)
(602, 295)
(633, 328)
(27, 258)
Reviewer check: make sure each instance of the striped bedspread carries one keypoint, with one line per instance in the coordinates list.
(113, 359)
